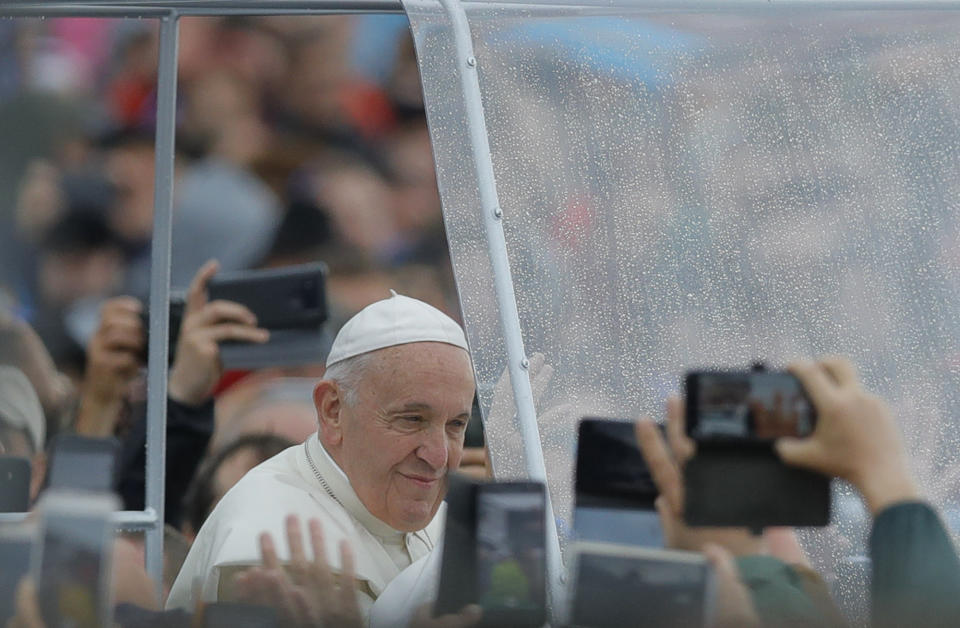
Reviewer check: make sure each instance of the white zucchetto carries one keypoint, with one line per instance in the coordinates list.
(398, 320)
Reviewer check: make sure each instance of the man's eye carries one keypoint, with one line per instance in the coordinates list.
(411, 419)
(457, 425)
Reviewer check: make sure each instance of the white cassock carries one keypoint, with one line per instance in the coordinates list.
(304, 481)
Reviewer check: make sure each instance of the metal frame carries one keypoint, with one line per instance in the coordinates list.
(169, 12)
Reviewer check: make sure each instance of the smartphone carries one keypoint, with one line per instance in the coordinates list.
(72, 561)
(736, 477)
(82, 463)
(14, 484)
(614, 492)
(16, 546)
(281, 298)
(620, 585)
(747, 406)
(494, 553)
(239, 615)
(177, 305)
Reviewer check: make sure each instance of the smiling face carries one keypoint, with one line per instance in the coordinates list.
(403, 431)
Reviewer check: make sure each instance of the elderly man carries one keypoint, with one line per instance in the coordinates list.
(392, 410)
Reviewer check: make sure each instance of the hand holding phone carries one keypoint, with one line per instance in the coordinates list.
(736, 477)
(207, 322)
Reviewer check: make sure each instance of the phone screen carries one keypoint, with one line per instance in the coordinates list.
(614, 490)
(70, 587)
(746, 406)
(617, 589)
(511, 551)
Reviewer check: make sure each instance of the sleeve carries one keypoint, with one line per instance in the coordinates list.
(188, 432)
(780, 596)
(916, 573)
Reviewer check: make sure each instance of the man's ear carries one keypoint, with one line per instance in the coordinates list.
(329, 403)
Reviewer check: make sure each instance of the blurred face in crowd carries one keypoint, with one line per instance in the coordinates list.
(404, 430)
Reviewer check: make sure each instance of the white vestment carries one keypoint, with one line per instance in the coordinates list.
(304, 481)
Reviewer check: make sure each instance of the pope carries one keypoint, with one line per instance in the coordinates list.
(392, 409)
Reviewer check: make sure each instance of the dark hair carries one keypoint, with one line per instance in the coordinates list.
(80, 231)
(198, 502)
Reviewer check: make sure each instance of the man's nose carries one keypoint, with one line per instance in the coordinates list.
(433, 449)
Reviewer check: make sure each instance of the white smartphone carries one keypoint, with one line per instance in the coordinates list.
(72, 560)
(628, 585)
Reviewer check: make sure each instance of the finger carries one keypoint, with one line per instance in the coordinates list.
(124, 338)
(815, 381)
(28, 609)
(473, 456)
(197, 293)
(323, 578)
(298, 560)
(348, 579)
(662, 467)
(221, 311)
(800, 452)
(123, 362)
(668, 522)
(268, 551)
(841, 370)
(682, 445)
(120, 305)
(237, 333)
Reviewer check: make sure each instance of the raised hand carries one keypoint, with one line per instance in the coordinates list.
(196, 365)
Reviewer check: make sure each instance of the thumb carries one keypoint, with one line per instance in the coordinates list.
(799, 452)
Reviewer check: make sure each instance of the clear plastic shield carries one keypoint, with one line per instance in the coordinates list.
(708, 190)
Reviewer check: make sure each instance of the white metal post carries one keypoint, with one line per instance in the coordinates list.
(160, 292)
(517, 362)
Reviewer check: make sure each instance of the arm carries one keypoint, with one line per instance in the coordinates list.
(916, 573)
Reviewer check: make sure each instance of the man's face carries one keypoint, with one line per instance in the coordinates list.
(405, 431)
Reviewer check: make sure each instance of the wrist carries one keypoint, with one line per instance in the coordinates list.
(97, 417)
(184, 394)
(885, 487)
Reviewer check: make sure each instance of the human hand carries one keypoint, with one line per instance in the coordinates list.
(308, 594)
(474, 463)
(856, 437)
(667, 472)
(735, 608)
(469, 616)
(114, 357)
(196, 365)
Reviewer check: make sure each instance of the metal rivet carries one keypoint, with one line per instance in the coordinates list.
(471, 61)
(524, 363)
(498, 212)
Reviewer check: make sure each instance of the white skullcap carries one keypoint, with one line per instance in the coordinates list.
(398, 320)
(20, 406)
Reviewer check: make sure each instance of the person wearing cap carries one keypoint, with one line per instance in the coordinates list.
(392, 408)
(22, 423)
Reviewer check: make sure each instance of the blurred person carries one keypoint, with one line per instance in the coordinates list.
(782, 594)
(221, 471)
(281, 407)
(22, 424)
(115, 361)
(392, 408)
(916, 571)
(22, 348)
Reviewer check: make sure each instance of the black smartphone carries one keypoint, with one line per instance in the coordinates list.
(291, 297)
(617, 585)
(736, 477)
(614, 492)
(239, 615)
(176, 309)
(82, 463)
(14, 484)
(746, 406)
(72, 561)
(16, 546)
(494, 553)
